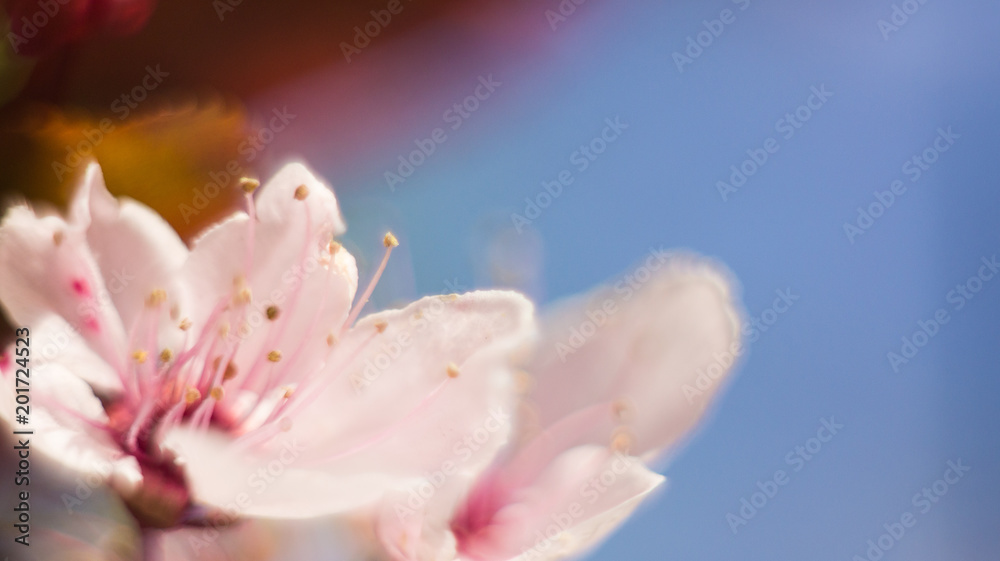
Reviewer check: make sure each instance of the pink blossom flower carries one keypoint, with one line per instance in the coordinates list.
(39, 27)
(231, 379)
(619, 377)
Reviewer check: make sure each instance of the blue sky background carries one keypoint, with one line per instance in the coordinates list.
(656, 186)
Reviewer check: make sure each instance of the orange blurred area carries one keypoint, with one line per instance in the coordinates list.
(114, 97)
(178, 161)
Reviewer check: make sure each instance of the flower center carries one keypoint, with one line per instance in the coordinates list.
(201, 385)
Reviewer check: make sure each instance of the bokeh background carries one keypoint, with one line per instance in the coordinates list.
(897, 73)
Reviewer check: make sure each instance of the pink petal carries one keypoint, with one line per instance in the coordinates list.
(136, 250)
(288, 266)
(371, 430)
(415, 524)
(137, 253)
(279, 484)
(46, 267)
(655, 355)
(277, 201)
(577, 501)
(396, 398)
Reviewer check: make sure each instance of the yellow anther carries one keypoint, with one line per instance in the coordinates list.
(452, 370)
(217, 393)
(58, 237)
(166, 355)
(274, 356)
(230, 372)
(289, 391)
(380, 325)
(243, 296)
(191, 395)
(333, 247)
(249, 184)
(622, 441)
(185, 324)
(156, 297)
(390, 240)
(272, 312)
(139, 356)
(301, 192)
(622, 410)
(331, 340)
(224, 329)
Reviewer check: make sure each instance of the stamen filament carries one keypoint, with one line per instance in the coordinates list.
(389, 242)
(278, 326)
(319, 383)
(251, 227)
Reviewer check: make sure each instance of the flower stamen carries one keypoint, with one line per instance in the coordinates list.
(191, 395)
(389, 241)
(156, 297)
(249, 185)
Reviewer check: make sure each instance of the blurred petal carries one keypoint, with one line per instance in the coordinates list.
(71, 20)
(612, 377)
(55, 341)
(655, 352)
(581, 497)
(67, 420)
